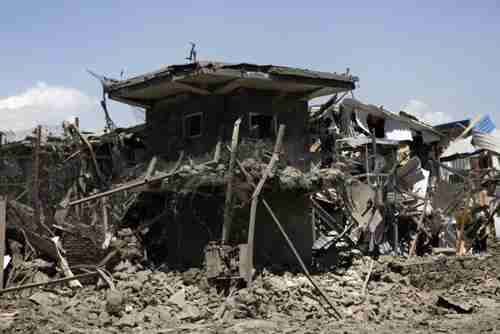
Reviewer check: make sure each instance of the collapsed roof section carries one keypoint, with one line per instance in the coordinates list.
(478, 142)
(207, 78)
(399, 127)
(484, 125)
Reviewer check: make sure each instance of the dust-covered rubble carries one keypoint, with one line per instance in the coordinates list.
(160, 302)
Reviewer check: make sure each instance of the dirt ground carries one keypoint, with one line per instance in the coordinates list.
(159, 302)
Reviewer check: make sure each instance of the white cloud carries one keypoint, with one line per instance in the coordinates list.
(43, 104)
(424, 112)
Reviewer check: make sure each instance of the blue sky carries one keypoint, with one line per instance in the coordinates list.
(439, 58)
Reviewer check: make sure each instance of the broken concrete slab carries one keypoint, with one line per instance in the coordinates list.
(114, 302)
(179, 299)
(45, 298)
(451, 304)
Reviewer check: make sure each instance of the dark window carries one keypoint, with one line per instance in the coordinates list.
(262, 126)
(484, 161)
(376, 125)
(193, 125)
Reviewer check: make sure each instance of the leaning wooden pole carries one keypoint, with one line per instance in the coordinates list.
(228, 207)
(255, 201)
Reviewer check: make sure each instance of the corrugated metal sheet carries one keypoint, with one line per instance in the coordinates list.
(429, 133)
(487, 142)
(485, 125)
(459, 147)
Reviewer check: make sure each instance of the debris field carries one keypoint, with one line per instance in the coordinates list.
(237, 207)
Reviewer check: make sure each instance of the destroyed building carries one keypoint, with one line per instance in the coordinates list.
(189, 107)
(388, 158)
(232, 172)
(192, 107)
(470, 150)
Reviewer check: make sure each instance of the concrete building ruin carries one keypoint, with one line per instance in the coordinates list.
(232, 162)
(192, 107)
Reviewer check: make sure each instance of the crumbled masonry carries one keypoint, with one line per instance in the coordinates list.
(237, 208)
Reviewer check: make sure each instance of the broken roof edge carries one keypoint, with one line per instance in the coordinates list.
(485, 125)
(182, 77)
(412, 122)
(472, 145)
(112, 85)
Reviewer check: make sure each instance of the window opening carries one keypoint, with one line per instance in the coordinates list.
(193, 125)
(262, 126)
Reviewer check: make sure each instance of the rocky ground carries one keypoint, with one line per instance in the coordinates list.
(159, 302)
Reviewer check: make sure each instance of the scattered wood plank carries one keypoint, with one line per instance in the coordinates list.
(128, 186)
(151, 169)
(61, 280)
(84, 140)
(105, 223)
(106, 278)
(65, 267)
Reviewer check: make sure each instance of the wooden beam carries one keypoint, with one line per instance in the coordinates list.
(142, 181)
(151, 168)
(84, 140)
(61, 280)
(255, 201)
(131, 185)
(228, 209)
(65, 267)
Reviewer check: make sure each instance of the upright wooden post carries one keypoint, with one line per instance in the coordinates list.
(255, 201)
(3, 214)
(35, 191)
(228, 209)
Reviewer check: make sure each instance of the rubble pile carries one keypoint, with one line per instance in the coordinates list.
(154, 302)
